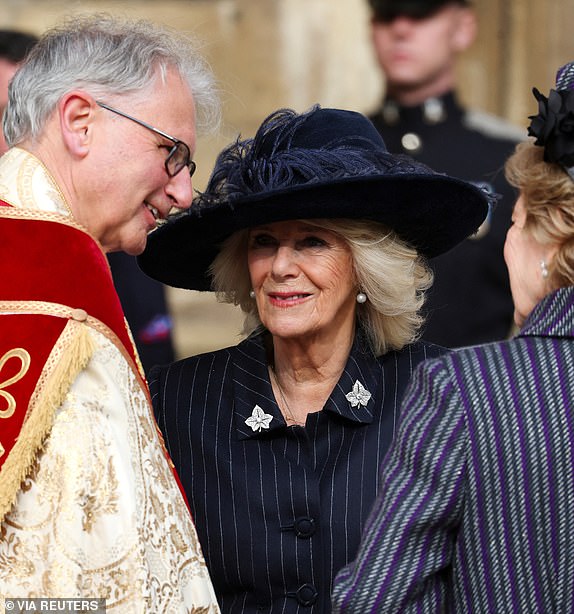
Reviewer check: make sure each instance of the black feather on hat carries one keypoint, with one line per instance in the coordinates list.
(326, 163)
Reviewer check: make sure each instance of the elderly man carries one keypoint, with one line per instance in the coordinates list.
(143, 299)
(101, 123)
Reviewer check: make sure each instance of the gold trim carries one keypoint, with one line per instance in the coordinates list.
(25, 189)
(63, 311)
(36, 308)
(28, 182)
(18, 213)
(25, 360)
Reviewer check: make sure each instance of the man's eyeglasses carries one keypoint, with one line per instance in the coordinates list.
(179, 156)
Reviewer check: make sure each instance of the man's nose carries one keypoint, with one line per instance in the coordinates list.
(180, 189)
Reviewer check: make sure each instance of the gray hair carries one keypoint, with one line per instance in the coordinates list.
(392, 274)
(104, 55)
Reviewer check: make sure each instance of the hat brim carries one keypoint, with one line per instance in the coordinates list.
(432, 212)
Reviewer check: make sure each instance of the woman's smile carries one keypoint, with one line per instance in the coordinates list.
(288, 299)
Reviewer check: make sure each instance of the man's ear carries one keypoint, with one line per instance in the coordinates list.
(76, 111)
(466, 30)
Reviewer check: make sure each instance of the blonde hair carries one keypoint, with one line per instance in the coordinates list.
(390, 272)
(548, 197)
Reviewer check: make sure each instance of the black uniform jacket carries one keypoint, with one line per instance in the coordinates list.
(470, 301)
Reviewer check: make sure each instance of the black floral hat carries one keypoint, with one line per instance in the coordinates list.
(325, 163)
(553, 126)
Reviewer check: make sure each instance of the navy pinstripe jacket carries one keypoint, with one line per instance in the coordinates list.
(476, 512)
(278, 510)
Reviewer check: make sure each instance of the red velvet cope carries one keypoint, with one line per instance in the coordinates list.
(52, 262)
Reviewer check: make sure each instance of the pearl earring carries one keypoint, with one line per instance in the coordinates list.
(361, 298)
(252, 293)
(544, 269)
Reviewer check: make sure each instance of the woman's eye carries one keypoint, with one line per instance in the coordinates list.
(313, 241)
(262, 240)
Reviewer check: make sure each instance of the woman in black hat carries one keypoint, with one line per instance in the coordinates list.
(320, 236)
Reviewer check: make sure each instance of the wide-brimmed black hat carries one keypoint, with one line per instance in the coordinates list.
(387, 10)
(326, 163)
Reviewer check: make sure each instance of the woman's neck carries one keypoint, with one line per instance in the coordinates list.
(303, 375)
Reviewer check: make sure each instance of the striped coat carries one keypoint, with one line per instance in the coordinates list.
(476, 512)
(278, 510)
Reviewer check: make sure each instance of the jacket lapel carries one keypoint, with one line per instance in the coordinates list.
(256, 413)
(552, 317)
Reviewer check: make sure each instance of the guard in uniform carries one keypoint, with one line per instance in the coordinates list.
(470, 300)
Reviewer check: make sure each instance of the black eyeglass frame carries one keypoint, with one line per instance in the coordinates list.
(177, 144)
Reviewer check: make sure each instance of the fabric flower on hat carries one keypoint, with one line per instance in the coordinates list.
(553, 127)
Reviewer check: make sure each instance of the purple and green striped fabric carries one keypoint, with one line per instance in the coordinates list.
(476, 511)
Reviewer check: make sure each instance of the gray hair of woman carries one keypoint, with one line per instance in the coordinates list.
(104, 55)
(388, 270)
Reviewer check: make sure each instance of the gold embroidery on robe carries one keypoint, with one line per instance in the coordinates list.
(24, 357)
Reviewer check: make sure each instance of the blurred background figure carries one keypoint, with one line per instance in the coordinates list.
(143, 299)
(417, 44)
(14, 45)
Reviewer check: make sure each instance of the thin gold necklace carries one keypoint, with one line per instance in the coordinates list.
(290, 417)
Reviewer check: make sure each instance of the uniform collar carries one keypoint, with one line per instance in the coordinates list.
(552, 317)
(433, 111)
(257, 414)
